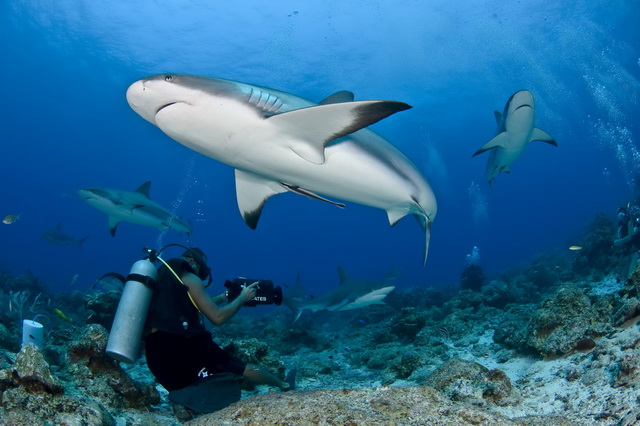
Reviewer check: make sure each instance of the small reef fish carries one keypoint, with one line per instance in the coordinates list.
(575, 248)
(73, 279)
(10, 218)
(61, 314)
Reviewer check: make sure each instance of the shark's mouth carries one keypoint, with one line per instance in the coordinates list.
(164, 106)
(523, 106)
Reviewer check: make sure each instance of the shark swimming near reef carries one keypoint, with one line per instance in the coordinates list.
(135, 207)
(350, 294)
(56, 237)
(278, 142)
(515, 131)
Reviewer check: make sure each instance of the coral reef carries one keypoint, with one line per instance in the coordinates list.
(555, 342)
(386, 405)
(471, 382)
(565, 319)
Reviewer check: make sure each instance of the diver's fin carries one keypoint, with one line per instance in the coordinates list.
(311, 129)
(252, 191)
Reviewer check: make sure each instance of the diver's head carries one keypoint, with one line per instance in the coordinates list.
(196, 260)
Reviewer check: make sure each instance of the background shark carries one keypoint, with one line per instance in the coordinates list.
(279, 142)
(56, 237)
(515, 131)
(350, 294)
(134, 207)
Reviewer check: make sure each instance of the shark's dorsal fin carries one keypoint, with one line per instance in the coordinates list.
(144, 189)
(499, 140)
(542, 136)
(311, 129)
(252, 191)
(498, 116)
(344, 277)
(338, 97)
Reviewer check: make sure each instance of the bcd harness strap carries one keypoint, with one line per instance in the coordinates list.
(180, 280)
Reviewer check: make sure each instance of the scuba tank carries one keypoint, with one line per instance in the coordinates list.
(125, 338)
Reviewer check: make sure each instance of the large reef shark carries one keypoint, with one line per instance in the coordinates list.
(350, 294)
(132, 206)
(279, 142)
(515, 131)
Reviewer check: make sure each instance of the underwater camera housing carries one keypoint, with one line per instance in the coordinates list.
(266, 293)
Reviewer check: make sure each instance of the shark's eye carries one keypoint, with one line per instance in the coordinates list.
(168, 77)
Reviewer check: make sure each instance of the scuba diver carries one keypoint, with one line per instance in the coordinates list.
(180, 352)
(628, 225)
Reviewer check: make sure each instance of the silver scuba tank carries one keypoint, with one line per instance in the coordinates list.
(125, 339)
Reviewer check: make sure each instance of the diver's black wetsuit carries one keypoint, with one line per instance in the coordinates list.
(178, 348)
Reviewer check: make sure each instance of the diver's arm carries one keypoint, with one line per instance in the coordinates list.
(221, 298)
(214, 313)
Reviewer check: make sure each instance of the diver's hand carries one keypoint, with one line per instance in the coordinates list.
(249, 292)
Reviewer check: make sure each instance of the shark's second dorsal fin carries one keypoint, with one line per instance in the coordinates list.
(144, 189)
(252, 191)
(338, 97)
(499, 140)
(344, 277)
(309, 130)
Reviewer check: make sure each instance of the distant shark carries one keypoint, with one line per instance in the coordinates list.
(278, 142)
(515, 131)
(350, 294)
(56, 237)
(135, 207)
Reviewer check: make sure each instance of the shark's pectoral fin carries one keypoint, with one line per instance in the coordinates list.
(311, 129)
(252, 191)
(542, 136)
(113, 224)
(500, 140)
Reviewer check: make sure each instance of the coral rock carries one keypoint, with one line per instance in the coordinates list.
(32, 372)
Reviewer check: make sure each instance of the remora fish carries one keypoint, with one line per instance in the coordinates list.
(515, 131)
(135, 207)
(350, 294)
(279, 142)
(56, 237)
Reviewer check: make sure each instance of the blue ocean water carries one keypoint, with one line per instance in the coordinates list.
(65, 124)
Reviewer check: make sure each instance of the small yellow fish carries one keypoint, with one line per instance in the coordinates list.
(10, 218)
(575, 248)
(61, 314)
